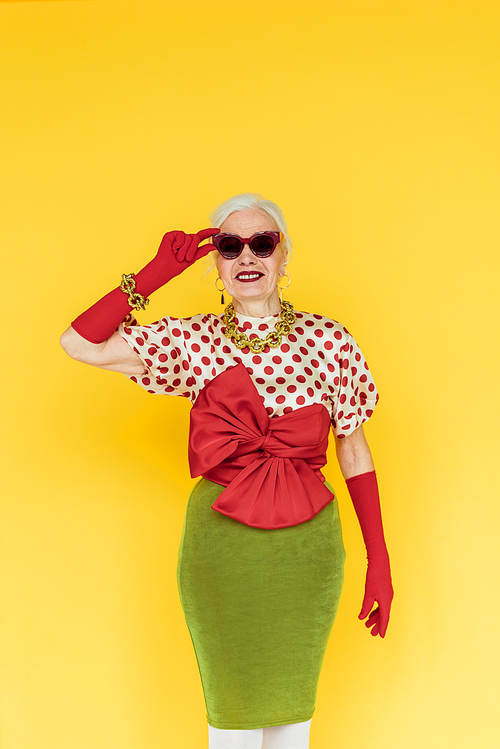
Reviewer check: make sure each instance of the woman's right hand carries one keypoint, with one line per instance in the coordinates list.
(178, 251)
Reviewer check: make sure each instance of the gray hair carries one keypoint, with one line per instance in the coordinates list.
(247, 201)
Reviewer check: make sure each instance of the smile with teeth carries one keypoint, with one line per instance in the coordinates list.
(246, 277)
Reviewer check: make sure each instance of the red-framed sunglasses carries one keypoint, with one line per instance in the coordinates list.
(262, 244)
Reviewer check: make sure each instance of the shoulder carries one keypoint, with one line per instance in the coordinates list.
(198, 325)
(321, 327)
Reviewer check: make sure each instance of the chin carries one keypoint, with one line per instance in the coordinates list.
(253, 292)
(262, 297)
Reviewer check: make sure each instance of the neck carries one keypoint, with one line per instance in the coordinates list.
(258, 307)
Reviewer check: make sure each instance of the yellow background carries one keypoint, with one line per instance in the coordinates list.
(375, 125)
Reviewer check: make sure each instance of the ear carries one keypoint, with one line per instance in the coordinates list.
(282, 269)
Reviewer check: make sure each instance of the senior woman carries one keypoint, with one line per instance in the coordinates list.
(261, 557)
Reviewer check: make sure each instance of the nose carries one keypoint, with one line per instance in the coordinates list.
(246, 255)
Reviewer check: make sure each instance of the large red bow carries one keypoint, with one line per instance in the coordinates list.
(271, 467)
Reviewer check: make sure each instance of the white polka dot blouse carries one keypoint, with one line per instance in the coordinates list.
(319, 362)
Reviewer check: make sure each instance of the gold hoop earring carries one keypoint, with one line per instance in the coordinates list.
(282, 288)
(222, 300)
(288, 284)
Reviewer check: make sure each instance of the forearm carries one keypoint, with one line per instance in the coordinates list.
(353, 454)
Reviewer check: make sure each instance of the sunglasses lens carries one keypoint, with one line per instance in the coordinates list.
(263, 245)
(230, 247)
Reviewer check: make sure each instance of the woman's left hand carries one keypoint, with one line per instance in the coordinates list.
(378, 588)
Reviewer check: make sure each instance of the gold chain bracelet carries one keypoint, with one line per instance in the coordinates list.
(136, 300)
(284, 326)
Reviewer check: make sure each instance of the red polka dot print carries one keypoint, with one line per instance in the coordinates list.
(319, 362)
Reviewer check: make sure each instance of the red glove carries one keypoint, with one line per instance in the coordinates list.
(378, 587)
(177, 252)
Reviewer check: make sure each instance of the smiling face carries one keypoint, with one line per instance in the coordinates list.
(252, 281)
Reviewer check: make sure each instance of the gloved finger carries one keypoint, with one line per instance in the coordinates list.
(373, 622)
(170, 243)
(185, 249)
(179, 246)
(367, 606)
(177, 240)
(204, 250)
(384, 619)
(191, 248)
(205, 234)
(198, 252)
(374, 617)
(193, 251)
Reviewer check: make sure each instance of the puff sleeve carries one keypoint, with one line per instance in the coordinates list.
(162, 349)
(356, 394)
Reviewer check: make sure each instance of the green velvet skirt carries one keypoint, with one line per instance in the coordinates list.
(259, 605)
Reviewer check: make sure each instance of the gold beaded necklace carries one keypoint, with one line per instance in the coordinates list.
(284, 326)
